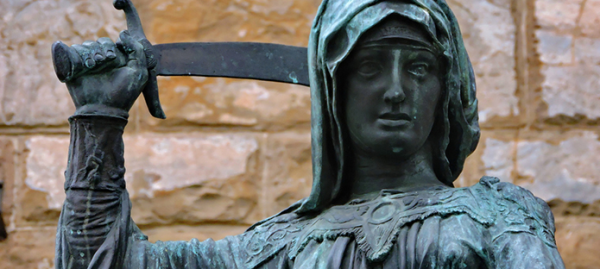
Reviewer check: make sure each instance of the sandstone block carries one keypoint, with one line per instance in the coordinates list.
(475, 165)
(589, 20)
(259, 105)
(41, 194)
(563, 170)
(288, 170)
(193, 179)
(586, 50)
(498, 159)
(578, 241)
(494, 157)
(556, 171)
(558, 14)
(555, 49)
(279, 21)
(45, 164)
(489, 32)
(184, 179)
(27, 249)
(571, 91)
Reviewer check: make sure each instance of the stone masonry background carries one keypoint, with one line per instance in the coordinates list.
(233, 152)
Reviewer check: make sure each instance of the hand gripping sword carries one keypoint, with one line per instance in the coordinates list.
(259, 61)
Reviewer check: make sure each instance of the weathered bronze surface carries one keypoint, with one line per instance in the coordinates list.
(394, 115)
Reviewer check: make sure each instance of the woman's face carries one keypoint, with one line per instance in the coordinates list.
(390, 91)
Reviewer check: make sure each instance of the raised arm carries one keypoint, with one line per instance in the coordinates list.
(97, 205)
(95, 229)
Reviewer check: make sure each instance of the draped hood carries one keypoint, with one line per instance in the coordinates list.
(336, 29)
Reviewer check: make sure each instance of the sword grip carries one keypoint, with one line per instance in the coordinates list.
(134, 26)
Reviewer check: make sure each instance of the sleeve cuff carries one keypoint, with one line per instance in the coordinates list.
(102, 111)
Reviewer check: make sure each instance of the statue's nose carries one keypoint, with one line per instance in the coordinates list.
(394, 96)
(395, 93)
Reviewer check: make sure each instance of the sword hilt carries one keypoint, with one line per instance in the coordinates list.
(68, 65)
(134, 26)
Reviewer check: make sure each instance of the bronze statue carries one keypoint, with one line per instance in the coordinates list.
(394, 115)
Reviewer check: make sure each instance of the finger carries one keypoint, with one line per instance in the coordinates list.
(85, 54)
(133, 48)
(108, 48)
(95, 53)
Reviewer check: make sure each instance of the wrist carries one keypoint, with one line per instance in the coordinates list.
(102, 111)
(101, 123)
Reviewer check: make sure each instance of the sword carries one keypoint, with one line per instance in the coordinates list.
(246, 60)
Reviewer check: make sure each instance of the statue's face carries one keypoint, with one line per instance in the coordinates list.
(390, 90)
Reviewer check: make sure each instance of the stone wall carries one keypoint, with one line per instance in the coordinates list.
(233, 152)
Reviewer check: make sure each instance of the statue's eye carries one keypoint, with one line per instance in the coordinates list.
(418, 69)
(369, 68)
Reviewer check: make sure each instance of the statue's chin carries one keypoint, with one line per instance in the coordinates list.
(392, 150)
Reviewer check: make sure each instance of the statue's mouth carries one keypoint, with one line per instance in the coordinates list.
(395, 116)
(394, 119)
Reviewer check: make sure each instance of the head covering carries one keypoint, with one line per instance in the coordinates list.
(396, 29)
(337, 28)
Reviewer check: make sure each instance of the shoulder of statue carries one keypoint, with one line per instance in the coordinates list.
(266, 239)
(515, 209)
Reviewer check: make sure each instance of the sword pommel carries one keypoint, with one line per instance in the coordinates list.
(134, 24)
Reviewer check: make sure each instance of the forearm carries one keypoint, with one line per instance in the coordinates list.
(94, 183)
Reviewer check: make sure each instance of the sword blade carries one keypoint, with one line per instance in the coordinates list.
(260, 61)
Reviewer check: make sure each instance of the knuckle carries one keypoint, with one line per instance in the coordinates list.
(78, 48)
(82, 51)
(105, 41)
(89, 43)
(108, 46)
(124, 35)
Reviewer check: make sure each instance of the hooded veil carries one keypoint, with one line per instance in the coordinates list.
(336, 30)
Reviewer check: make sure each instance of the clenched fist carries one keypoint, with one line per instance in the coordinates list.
(115, 74)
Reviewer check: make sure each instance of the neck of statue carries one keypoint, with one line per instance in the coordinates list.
(370, 174)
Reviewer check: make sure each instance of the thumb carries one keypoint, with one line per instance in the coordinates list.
(133, 49)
